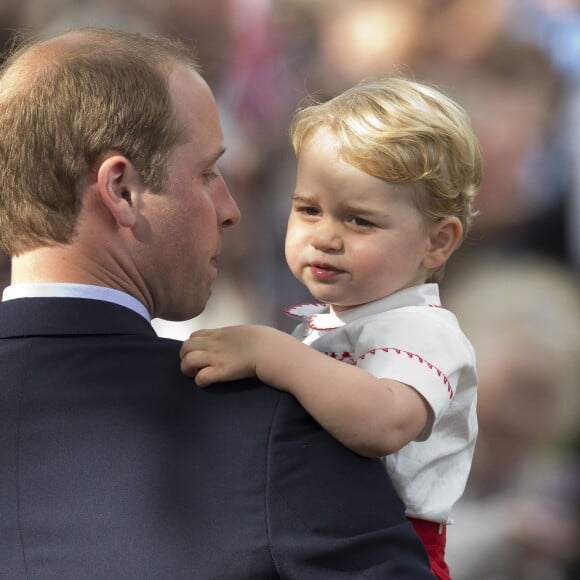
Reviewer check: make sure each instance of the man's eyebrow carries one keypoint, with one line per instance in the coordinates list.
(212, 159)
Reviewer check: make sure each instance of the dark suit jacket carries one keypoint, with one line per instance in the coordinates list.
(114, 466)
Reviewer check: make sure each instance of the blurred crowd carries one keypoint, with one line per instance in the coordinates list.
(515, 67)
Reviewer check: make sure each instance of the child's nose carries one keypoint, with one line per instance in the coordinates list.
(326, 237)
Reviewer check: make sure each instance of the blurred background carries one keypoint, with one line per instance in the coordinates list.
(514, 65)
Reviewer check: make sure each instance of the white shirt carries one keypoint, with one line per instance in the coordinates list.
(410, 338)
(58, 290)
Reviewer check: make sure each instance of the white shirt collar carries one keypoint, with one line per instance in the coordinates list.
(58, 290)
(323, 317)
(421, 295)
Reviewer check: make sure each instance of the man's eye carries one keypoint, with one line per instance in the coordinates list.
(209, 176)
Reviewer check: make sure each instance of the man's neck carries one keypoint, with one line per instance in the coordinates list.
(65, 265)
(53, 264)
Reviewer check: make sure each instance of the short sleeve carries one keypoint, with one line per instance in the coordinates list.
(421, 347)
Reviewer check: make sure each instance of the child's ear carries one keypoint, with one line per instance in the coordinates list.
(120, 187)
(444, 238)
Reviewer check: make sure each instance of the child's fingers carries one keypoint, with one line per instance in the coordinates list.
(192, 361)
(198, 340)
(186, 347)
(205, 377)
(187, 368)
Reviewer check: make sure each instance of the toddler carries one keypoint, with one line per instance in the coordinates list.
(386, 177)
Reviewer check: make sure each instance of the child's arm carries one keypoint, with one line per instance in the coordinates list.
(371, 416)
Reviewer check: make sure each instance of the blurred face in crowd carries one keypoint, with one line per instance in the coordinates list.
(520, 390)
(185, 222)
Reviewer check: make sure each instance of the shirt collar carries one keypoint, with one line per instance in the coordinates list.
(323, 317)
(59, 290)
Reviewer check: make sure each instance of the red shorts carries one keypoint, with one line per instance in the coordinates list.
(433, 535)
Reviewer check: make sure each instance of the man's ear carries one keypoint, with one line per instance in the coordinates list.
(120, 188)
(444, 238)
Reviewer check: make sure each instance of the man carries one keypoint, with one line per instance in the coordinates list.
(112, 464)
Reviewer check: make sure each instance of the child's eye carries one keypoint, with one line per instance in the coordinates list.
(360, 222)
(308, 210)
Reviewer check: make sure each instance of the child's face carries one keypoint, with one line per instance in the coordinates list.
(352, 238)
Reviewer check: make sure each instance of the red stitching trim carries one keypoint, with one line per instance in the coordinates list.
(412, 355)
(346, 357)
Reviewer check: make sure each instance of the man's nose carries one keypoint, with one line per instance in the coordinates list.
(227, 209)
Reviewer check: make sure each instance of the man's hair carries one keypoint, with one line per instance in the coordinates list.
(403, 131)
(65, 103)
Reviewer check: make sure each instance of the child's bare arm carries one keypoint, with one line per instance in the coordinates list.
(371, 416)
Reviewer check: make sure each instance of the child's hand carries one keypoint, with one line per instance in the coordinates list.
(223, 354)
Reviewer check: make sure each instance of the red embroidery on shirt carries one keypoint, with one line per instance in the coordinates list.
(346, 357)
(412, 355)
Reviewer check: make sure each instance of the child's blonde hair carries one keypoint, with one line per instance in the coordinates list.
(402, 131)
